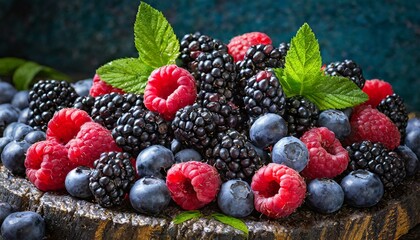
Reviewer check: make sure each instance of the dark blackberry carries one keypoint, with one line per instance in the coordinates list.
(393, 107)
(216, 73)
(234, 156)
(84, 103)
(300, 115)
(376, 158)
(283, 48)
(140, 128)
(47, 97)
(192, 45)
(193, 126)
(226, 115)
(348, 69)
(109, 107)
(112, 178)
(264, 94)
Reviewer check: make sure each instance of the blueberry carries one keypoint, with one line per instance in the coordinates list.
(23, 225)
(8, 114)
(410, 159)
(325, 195)
(77, 182)
(291, 152)
(362, 188)
(7, 92)
(3, 142)
(336, 121)
(82, 87)
(264, 155)
(153, 160)
(21, 100)
(412, 140)
(236, 198)
(24, 116)
(20, 131)
(176, 146)
(5, 210)
(149, 195)
(267, 130)
(413, 124)
(10, 129)
(186, 155)
(13, 156)
(35, 136)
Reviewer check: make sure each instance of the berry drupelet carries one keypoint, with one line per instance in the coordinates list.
(300, 115)
(393, 107)
(348, 69)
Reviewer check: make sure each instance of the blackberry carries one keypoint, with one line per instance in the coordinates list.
(84, 103)
(348, 69)
(234, 156)
(47, 97)
(192, 45)
(109, 107)
(140, 128)
(225, 114)
(216, 73)
(393, 107)
(283, 48)
(112, 178)
(193, 126)
(264, 94)
(376, 158)
(300, 115)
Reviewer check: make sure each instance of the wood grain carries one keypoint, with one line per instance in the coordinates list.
(70, 218)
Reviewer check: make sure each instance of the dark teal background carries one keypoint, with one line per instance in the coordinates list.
(77, 36)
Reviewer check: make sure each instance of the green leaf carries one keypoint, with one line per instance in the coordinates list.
(303, 61)
(231, 221)
(25, 73)
(185, 216)
(9, 64)
(154, 37)
(129, 74)
(287, 88)
(332, 92)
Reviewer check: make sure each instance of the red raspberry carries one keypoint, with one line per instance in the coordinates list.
(47, 165)
(278, 190)
(368, 123)
(376, 90)
(193, 184)
(65, 124)
(238, 45)
(100, 87)
(169, 88)
(327, 157)
(92, 140)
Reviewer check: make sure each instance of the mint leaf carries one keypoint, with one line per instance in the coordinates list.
(231, 221)
(332, 92)
(154, 37)
(129, 74)
(185, 216)
(303, 61)
(25, 73)
(9, 64)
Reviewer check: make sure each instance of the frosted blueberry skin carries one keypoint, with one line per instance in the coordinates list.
(23, 225)
(7, 92)
(291, 152)
(267, 130)
(412, 164)
(362, 188)
(336, 121)
(236, 198)
(153, 161)
(5, 210)
(412, 140)
(186, 155)
(13, 156)
(82, 87)
(325, 195)
(149, 195)
(21, 100)
(77, 183)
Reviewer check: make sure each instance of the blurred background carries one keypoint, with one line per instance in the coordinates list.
(78, 36)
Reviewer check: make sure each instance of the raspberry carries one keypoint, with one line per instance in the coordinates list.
(65, 124)
(278, 190)
(100, 87)
(238, 45)
(368, 123)
(47, 165)
(327, 158)
(377, 90)
(193, 184)
(92, 140)
(169, 88)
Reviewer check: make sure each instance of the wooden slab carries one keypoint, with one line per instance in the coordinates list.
(70, 218)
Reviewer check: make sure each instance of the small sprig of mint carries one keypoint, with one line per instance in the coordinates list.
(302, 75)
(185, 216)
(232, 221)
(157, 46)
(24, 72)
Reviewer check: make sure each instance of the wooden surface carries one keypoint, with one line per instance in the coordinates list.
(69, 218)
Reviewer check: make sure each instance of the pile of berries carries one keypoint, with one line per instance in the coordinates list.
(218, 129)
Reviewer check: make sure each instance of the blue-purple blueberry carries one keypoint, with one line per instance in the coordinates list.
(77, 182)
(153, 161)
(149, 195)
(35, 136)
(325, 195)
(236, 198)
(13, 156)
(336, 121)
(267, 130)
(23, 225)
(5, 210)
(412, 140)
(21, 99)
(411, 160)
(186, 155)
(7, 92)
(24, 116)
(292, 152)
(82, 87)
